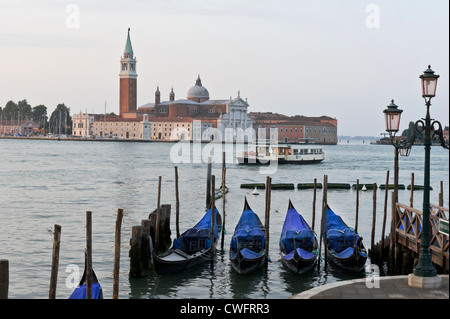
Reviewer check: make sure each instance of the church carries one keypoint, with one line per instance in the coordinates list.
(228, 116)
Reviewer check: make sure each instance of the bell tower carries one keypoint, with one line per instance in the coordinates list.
(128, 80)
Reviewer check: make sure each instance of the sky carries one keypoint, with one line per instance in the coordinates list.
(343, 59)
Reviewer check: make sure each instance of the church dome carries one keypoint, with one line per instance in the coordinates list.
(198, 92)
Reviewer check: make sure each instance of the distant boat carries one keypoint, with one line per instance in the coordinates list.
(298, 243)
(364, 188)
(247, 248)
(265, 153)
(344, 246)
(255, 191)
(192, 248)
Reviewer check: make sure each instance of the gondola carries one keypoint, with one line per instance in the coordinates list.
(344, 246)
(80, 291)
(191, 248)
(247, 248)
(298, 243)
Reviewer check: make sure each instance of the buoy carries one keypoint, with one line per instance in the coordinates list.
(255, 192)
(364, 188)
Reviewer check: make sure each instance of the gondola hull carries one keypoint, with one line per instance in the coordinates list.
(297, 263)
(191, 249)
(356, 262)
(298, 243)
(344, 246)
(247, 247)
(246, 265)
(174, 261)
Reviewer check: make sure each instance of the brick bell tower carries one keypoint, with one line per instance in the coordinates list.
(128, 80)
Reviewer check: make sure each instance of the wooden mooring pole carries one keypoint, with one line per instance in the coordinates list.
(157, 216)
(323, 221)
(357, 205)
(383, 229)
(4, 278)
(177, 204)
(213, 215)
(411, 197)
(224, 169)
(374, 215)
(314, 204)
(208, 182)
(267, 214)
(88, 255)
(115, 294)
(55, 261)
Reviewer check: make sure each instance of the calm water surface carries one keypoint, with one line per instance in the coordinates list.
(44, 183)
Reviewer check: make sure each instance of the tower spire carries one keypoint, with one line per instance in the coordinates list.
(128, 52)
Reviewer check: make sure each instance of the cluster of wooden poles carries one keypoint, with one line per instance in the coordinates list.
(88, 257)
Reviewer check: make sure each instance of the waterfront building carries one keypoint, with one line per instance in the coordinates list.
(15, 128)
(82, 124)
(111, 126)
(296, 129)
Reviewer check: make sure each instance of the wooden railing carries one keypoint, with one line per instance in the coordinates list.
(408, 230)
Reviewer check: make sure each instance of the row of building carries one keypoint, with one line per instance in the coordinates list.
(196, 117)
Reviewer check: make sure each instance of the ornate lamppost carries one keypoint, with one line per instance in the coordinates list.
(424, 274)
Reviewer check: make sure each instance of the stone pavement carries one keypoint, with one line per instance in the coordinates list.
(395, 287)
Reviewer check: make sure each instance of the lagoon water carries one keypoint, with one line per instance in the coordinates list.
(43, 183)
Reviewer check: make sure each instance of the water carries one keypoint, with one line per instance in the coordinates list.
(44, 183)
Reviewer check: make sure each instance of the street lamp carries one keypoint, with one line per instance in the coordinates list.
(424, 274)
(392, 117)
(429, 83)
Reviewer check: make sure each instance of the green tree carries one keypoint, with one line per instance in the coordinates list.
(25, 111)
(60, 121)
(39, 114)
(10, 111)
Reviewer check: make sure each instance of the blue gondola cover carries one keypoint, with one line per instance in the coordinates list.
(248, 229)
(295, 232)
(80, 292)
(201, 230)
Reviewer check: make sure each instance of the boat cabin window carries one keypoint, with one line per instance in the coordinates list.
(296, 151)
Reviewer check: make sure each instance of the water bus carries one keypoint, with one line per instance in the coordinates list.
(264, 153)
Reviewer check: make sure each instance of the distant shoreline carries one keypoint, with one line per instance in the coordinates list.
(131, 140)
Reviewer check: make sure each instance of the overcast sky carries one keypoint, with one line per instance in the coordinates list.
(345, 59)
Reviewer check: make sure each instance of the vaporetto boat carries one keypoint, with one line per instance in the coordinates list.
(264, 153)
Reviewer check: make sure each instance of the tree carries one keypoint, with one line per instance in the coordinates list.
(10, 111)
(39, 114)
(60, 121)
(25, 111)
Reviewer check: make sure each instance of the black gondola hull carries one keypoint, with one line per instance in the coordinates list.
(245, 266)
(165, 267)
(356, 262)
(297, 264)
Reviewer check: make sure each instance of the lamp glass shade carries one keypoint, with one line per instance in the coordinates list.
(392, 121)
(429, 87)
(405, 151)
(429, 82)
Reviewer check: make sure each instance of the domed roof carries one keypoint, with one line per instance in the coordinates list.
(198, 91)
